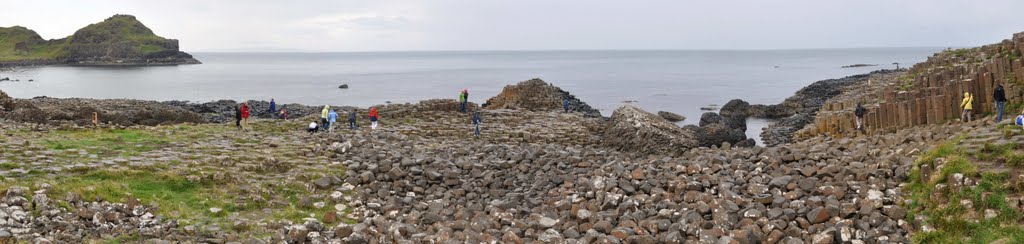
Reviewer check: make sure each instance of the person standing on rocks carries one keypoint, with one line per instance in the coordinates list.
(462, 100)
(273, 107)
(323, 117)
(859, 112)
(476, 123)
(238, 116)
(565, 104)
(352, 120)
(999, 95)
(373, 118)
(967, 106)
(332, 118)
(245, 116)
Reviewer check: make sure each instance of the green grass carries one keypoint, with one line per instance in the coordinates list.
(105, 141)
(953, 222)
(8, 165)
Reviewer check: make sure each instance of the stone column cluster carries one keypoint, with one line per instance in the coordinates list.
(932, 91)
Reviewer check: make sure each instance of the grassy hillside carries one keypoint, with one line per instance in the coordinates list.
(20, 43)
(119, 36)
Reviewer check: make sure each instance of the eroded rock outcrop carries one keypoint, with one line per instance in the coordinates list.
(537, 95)
(632, 129)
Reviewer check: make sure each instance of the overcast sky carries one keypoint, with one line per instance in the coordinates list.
(382, 25)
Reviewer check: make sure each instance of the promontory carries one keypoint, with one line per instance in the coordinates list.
(118, 40)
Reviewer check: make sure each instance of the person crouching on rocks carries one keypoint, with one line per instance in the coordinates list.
(373, 118)
(859, 112)
(332, 118)
(284, 113)
(245, 116)
(1020, 119)
(476, 123)
(312, 128)
(967, 106)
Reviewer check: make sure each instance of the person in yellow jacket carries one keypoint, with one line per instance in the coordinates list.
(323, 117)
(967, 107)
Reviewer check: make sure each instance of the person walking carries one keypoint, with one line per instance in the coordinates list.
(373, 118)
(352, 120)
(323, 117)
(476, 123)
(859, 112)
(999, 95)
(565, 104)
(465, 100)
(238, 116)
(245, 116)
(967, 106)
(332, 118)
(273, 107)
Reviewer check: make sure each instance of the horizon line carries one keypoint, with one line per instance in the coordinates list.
(556, 50)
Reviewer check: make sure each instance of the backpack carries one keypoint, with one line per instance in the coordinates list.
(1020, 119)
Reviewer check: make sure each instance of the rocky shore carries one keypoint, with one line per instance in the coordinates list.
(175, 172)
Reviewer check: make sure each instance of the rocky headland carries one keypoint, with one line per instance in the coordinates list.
(536, 174)
(120, 40)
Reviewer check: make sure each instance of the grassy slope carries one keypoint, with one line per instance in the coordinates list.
(936, 198)
(114, 29)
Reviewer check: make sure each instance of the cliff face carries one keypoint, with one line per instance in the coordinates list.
(118, 40)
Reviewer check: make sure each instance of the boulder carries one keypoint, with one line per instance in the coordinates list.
(635, 130)
(343, 86)
(670, 116)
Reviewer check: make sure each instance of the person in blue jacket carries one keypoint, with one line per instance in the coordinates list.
(332, 118)
(476, 123)
(273, 108)
(565, 104)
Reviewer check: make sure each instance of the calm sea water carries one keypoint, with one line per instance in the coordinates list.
(676, 81)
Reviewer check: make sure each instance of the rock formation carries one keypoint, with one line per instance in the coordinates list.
(671, 117)
(633, 130)
(930, 92)
(118, 40)
(537, 95)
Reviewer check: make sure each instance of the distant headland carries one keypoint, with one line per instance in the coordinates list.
(116, 41)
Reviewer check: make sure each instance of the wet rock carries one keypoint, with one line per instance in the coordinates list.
(671, 117)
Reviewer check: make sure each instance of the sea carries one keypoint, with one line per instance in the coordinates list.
(679, 81)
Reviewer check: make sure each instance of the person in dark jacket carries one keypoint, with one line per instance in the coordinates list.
(352, 120)
(273, 107)
(476, 123)
(238, 116)
(859, 112)
(1000, 97)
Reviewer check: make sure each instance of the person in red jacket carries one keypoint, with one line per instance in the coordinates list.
(245, 116)
(373, 118)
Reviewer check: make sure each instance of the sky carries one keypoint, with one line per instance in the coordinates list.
(419, 25)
